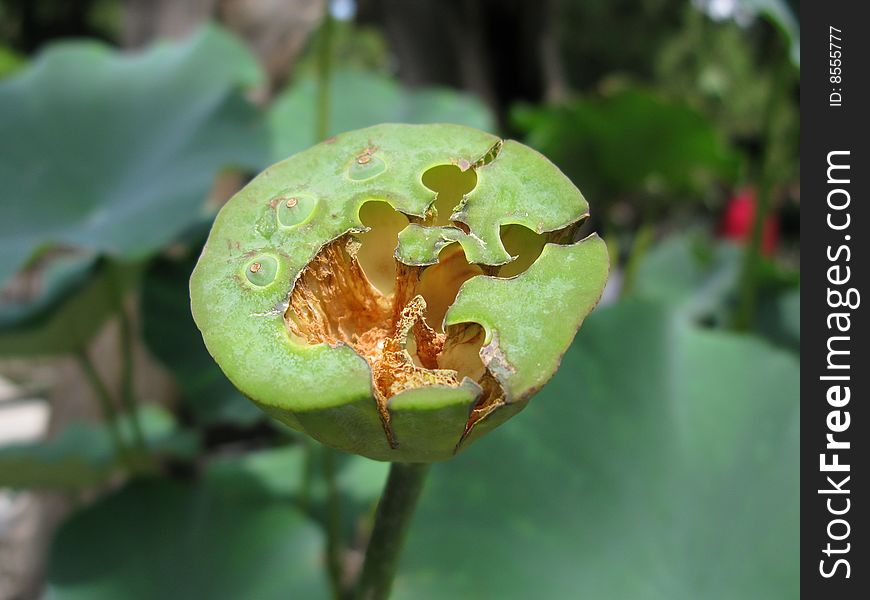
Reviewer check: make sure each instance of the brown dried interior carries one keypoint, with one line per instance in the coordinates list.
(355, 292)
(398, 332)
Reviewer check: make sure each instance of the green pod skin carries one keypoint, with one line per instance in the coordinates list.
(398, 291)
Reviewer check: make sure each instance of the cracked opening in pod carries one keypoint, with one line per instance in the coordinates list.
(355, 292)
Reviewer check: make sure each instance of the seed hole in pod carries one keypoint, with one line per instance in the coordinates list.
(439, 284)
(293, 209)
(450, 184)
(376, 254)
(461, 350)
(365, 166)
(524, 244)
(262, 270)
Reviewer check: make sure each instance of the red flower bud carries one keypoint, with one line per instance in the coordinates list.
(736, 222)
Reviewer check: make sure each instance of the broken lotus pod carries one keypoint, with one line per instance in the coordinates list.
(400, 290)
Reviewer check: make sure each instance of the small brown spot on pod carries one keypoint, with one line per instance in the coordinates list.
(365, 167)
(262, 271)
(293, 209)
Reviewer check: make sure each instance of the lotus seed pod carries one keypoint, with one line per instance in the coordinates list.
(398, 291)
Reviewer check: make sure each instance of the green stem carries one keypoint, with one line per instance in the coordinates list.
(752, 255)
(611, 240)
(324, 69)
(307, 475)
(125, 341)
(394, 513)
(643, 239)
(128, 398)
(752, 262)
(333, 525)
(104, 400)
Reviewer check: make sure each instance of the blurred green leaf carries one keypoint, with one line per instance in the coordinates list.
(10, 61)
(43, 286)
(282, 472)
(72, 297)
(172, 336)
(162, 432)
(82, 455)
(790, 309)
(206, 539)
(661, 462)
(629, 141)
(692, 273)
(118, 152)
(698, 277)
(780, 14)
(362, 480)
(779, 318)
(279, 470)
(360, 99)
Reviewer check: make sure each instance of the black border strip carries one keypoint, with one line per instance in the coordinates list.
(834, 260)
